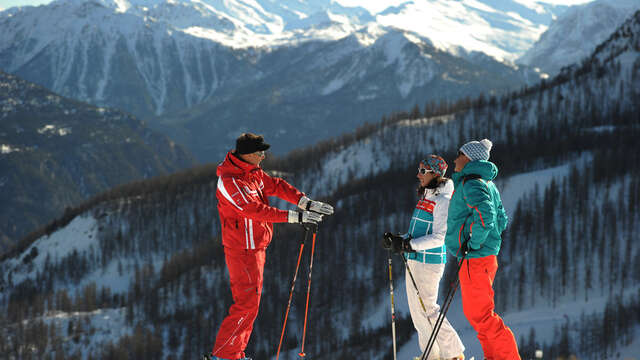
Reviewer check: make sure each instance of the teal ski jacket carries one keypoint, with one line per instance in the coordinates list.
(475, 211)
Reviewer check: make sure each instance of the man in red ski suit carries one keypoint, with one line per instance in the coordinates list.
(246, 220)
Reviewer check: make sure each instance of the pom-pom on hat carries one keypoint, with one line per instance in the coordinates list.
(248, 143)
(477, 150)
(436, 164)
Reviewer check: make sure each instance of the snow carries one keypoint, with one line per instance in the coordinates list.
(108, 325)
(474, 24)
(382, 313)
(333, 85)
(106, 70)
(79, 235)
(53, 129)
(122, 5)
(362, 157)
(576, 33)
(451, 24)
(513, 187)
(504, 32)
(7, 149)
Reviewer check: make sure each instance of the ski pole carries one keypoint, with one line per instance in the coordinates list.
(306, 310)
(415, 286)
(393, 310)
(443, 311)
(293, 285)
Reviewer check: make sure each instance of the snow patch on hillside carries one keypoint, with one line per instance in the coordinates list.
(514, 187)
(365, 158)
(79, 235)
(107, 326)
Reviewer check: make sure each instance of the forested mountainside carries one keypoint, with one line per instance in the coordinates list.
(147, 255)
(56, 152)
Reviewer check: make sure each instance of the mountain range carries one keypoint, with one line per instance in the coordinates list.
(573, 36)
(140, 272)
(201, 71)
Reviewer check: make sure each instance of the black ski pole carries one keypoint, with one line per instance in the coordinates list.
(415, 285)
(443, 310)
(393, 308)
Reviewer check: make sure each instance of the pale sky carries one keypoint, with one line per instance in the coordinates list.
(4, 4)
(371, 5)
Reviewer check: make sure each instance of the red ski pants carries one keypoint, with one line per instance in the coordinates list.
(246, 269)
(476, 285)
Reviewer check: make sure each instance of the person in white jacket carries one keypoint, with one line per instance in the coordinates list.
(423, 247)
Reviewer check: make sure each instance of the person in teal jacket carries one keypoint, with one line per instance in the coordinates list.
(475, 223)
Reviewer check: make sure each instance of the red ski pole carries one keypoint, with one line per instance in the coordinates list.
(306, 310)
(293, 285)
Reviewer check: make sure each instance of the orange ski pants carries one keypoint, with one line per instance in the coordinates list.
(246, 269)
(476, 285)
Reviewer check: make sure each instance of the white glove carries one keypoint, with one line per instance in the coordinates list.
(307, 204)
(304, 217)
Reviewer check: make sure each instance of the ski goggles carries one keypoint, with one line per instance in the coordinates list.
(424, 171)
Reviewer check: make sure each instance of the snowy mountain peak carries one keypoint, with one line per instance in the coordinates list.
(503, 30)
(575, 34)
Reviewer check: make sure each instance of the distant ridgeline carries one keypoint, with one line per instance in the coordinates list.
(153, 260)
(56, 152)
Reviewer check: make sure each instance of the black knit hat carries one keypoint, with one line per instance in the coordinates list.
(248, 143)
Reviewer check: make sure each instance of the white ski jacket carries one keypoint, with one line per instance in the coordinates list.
(434, 202)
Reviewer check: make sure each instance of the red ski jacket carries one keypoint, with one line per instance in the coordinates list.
(243, 204)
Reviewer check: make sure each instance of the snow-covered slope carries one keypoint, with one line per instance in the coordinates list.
(90, 52)
(575, 34)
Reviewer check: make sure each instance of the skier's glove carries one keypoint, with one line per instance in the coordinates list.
(304, 217)
(316, 206)
(401, 244)
(387, 241)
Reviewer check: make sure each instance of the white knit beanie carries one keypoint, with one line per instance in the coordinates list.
(477, 150)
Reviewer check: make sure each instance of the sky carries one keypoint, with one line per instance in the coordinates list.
(371, 5)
